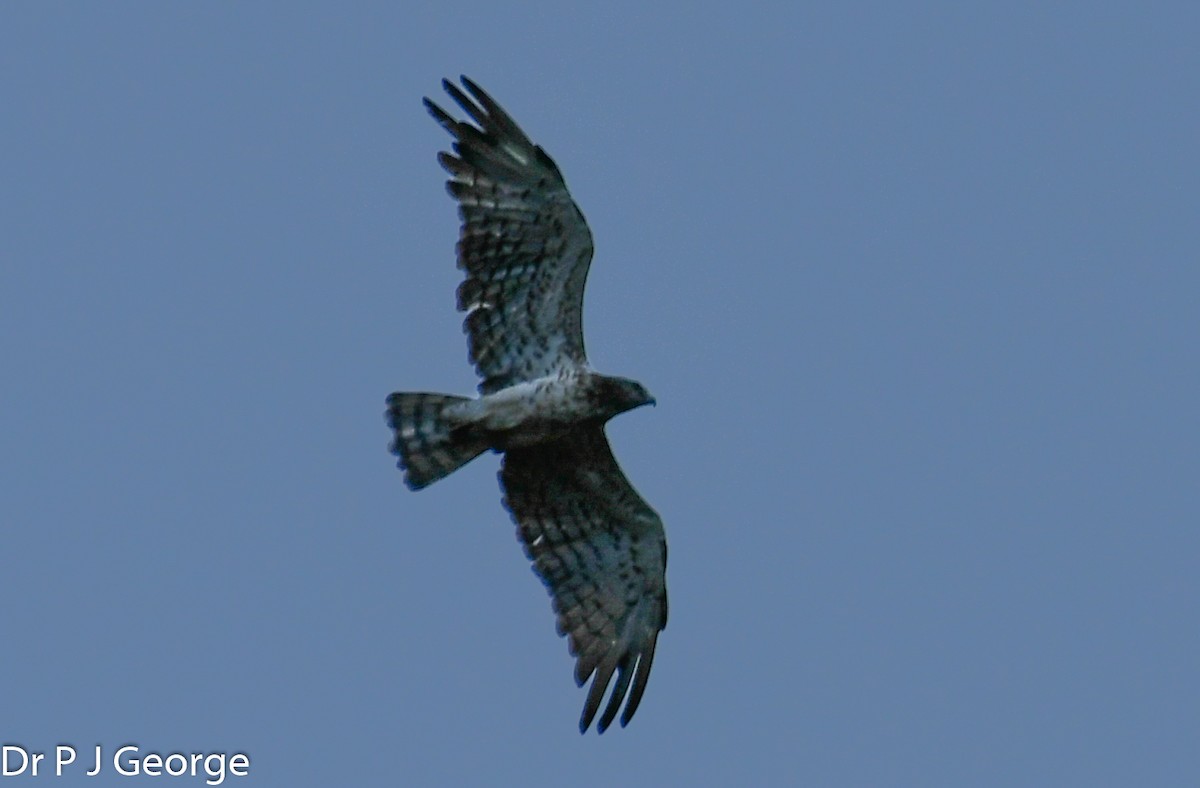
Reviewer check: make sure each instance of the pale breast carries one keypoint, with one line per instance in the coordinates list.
(534, 411)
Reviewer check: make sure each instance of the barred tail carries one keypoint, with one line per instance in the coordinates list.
(425, 444)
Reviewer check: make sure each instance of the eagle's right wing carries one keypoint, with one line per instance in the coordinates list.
(601, 551)
(524, 245)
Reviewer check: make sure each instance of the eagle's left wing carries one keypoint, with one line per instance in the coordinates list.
(601, 551)
(524, 246)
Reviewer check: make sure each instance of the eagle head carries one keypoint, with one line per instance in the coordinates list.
(618, 395)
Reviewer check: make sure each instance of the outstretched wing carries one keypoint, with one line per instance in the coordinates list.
(601, 551)
(524, 245)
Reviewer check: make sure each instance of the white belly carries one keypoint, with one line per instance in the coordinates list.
(526, 413)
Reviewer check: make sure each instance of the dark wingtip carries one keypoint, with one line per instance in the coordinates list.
(469, 84)
(645, 661)
(440, 115)
(618, 695)
(589, 714)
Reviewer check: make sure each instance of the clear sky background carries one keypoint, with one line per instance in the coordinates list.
(916, 286)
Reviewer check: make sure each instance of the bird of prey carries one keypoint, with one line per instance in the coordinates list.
(524, 248)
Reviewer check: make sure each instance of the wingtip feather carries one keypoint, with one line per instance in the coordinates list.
(624, 674)
(645, 661)
(440, 115)
(596, 693)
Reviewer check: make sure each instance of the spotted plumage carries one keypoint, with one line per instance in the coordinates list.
(525, 248)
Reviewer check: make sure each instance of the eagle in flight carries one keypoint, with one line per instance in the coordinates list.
(524, 248)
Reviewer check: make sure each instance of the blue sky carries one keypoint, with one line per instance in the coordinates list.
(915, 287)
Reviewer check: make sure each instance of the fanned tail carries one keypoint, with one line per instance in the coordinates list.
(425, 443)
